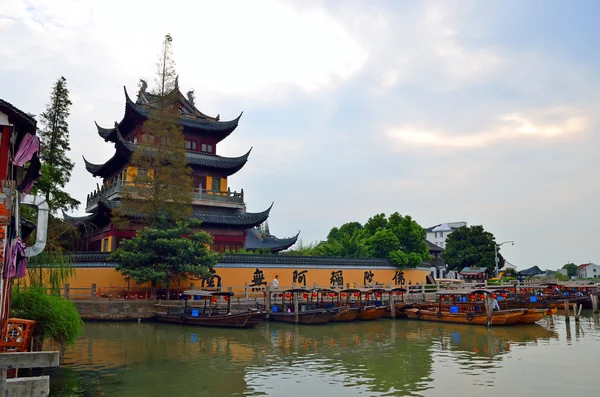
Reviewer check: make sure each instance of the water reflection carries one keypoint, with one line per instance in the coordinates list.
(373, 358)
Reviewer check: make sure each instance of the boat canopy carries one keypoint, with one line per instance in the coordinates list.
(470, 291)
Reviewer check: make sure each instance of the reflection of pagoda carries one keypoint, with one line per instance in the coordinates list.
(222, 211)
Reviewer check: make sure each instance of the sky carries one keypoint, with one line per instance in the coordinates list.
(477, 111)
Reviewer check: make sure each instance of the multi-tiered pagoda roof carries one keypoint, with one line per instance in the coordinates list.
(221, 212)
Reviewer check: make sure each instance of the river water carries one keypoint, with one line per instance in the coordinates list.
(380, 358)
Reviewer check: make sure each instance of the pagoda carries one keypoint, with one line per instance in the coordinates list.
(221, 210)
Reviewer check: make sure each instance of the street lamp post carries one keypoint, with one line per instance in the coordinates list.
(496, 253)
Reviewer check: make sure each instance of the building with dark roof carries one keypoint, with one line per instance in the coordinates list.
(221, 210)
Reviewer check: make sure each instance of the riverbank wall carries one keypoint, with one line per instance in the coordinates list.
(116, 310)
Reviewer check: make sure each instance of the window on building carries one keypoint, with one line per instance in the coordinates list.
(190, 145)
(204, 147)
(216, 184)
(105, 246)
(209, 149)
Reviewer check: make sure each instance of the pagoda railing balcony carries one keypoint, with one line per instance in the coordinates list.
(114, 190)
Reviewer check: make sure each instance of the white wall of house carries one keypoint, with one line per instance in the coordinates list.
(438, 234)
(590, 271)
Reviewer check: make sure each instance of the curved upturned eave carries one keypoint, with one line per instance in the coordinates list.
(244, 220)
(108, 134)
(222, 128)
(229, 165)
(271, 243)
(91, 167)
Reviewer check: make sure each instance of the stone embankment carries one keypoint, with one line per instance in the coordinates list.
(116, 310)
(134, 310)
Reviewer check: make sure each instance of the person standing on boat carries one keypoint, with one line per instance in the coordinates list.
(496, 305)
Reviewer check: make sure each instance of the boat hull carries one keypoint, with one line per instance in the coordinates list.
(311, 317)
(533, 315)
(399, 309)
(370, 313)
(344, 315)
(502, 317)
(237, 320)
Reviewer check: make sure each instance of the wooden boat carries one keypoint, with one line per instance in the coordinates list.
(211, 314)
(300, 308)
(466, 307)
(531, 316)
(504, 317)
(368, 301)
(330, 300)
(551, 295)
(397, 294)
(344, 314)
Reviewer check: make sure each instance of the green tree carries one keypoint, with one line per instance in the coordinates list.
(162, 186)
(397, 238)
(510, 272)
(162, 254)
(55, 318)
(471, 247)
(571, 269)
(54, 137)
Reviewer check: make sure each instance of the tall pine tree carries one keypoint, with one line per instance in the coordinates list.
(54, 136)
(162, 185)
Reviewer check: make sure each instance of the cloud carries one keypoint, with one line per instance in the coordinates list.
(509, 127)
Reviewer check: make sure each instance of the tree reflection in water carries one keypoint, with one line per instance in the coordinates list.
(394, 357)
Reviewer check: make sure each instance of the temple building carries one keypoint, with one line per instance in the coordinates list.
(221, 210)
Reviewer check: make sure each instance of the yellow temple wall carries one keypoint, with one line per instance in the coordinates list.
(256, 278)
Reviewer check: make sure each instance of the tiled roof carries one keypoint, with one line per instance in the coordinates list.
(433, 247)
(92, 259)
(303, 260)
(257, 241)
(232, 218)
(18, 116)
(192, 122)
(123, 149)
(473, 270)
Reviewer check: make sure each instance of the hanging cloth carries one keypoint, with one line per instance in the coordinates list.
(10, 265)
(15, 261)
(20, 258)
(33, 173)
(29, 145)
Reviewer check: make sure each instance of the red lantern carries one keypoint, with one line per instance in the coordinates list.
(305, 296)
(379, 294)
(504, 296)
(400, 293)
(331, 294)
(288, 295)
(443, 297)
(226, 299)
(314, 294)
(280, 295)
(494, 296)
(344, 294)
(356, 294)
(214, 299)
(472, 297)
(391, 293)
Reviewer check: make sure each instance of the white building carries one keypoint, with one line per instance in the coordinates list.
(588, 270)
(564, 272)
(439, 233)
